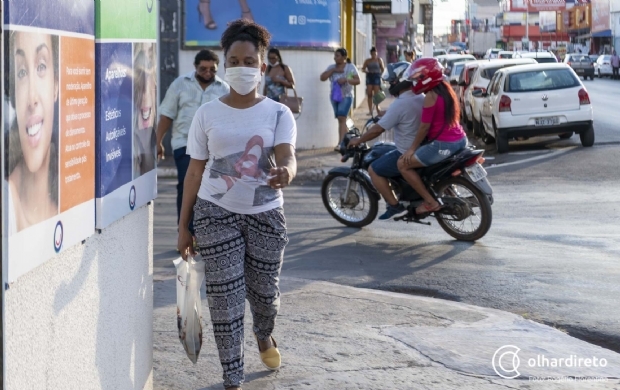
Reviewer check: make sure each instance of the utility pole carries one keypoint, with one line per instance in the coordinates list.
(527, 23)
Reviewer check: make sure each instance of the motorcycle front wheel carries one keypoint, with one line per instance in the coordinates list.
(469, 217)
(358, 208)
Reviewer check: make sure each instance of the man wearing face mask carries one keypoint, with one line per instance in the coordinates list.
(185, 95)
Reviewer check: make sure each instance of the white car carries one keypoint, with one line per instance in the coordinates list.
(534, 100)
(603, 66)
(492, 54)
(541, 57)
(506, 54)
(480, 81)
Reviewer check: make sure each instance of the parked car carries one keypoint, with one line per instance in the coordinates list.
(450, 59)
(535, 100)
(541, 57)
(463, 84)
(506, 54)
(581, 64)
(603, 66)
(480, 81)
(492, 54)
(439, 52)
(455, 73)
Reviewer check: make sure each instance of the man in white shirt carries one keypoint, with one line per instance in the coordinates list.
(185, 95)
(404, 116)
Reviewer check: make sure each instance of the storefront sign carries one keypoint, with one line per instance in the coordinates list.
(547, 21)
(377, 7)
(126, 107)
(537, 5)
(49, 129)
(292, 23)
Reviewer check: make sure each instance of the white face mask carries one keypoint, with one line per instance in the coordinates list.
(243, 79)
(277, 63)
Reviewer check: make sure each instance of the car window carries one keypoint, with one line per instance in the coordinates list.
(470, 75)
(498, 82)
(457, 69)
(489, 72)
(540, 80)
(491, 86)
(546, 60)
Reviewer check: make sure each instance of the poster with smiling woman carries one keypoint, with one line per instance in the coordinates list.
(48, 143)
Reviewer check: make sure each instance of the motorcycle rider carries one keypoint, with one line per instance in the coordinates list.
(404, 116)
(440, 128)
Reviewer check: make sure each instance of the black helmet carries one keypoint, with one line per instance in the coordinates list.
(394, 76)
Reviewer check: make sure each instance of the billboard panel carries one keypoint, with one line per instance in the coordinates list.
(49, 129)
(600, 15)
(126, 107)
(292, 23)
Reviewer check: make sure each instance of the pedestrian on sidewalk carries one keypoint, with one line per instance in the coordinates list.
(404, 116)
(615, 65)
(342, 75)
(242, 156)
(373, 67)
(278, 77)
(181, 102)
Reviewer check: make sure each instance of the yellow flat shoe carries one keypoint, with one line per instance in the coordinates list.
(271, 357)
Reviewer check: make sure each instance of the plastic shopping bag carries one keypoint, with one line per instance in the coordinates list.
(336, 92)
(190, 275)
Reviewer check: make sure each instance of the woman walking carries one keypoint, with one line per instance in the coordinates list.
(242, 156)
(373, 67)
(278, 77)
(343, 75)
(440, 127)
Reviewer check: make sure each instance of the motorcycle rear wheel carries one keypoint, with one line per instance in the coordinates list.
(457, 187)
(361, 199)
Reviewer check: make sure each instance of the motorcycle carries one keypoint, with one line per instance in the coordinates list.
(459, 183)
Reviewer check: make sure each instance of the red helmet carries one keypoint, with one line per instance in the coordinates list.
(426, 74)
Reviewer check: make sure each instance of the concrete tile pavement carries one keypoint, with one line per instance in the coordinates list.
(340, 337)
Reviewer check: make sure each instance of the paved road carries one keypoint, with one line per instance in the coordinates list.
(552, 254)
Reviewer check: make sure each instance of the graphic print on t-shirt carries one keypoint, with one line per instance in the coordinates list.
(243, 175)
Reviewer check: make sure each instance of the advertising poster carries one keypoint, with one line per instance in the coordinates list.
(600, 15)
(292, 23)
(547, 21)
(126, 109)
(49, 129)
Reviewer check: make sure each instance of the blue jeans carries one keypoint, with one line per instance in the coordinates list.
(438, 151)
(387, 165)
(342, 108)
(181, 159)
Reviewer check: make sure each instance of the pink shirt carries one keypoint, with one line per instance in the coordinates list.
(435, 116)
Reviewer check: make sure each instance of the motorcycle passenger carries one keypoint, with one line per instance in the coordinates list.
(439, 127)
(404, 116)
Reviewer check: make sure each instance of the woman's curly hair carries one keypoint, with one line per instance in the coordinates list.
(245, 31)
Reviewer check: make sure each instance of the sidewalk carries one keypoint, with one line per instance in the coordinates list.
(339, 337)
(312, 164)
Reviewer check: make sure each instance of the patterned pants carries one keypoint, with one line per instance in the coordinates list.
(243, 254)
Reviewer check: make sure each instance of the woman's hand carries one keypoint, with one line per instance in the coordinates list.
(408, 157)
(280, 178)
(185, 243)
(342, 81)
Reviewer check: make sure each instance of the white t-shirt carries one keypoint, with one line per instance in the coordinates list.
(239, 144)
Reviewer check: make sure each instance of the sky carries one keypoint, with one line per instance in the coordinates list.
(444, 12)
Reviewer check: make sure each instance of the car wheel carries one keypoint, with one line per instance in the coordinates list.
(592, 78)
(501, 140)
(486, 137)
(599, 73)
(587, 137)
(566, 135)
